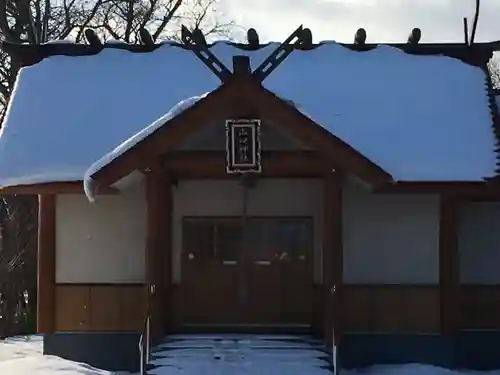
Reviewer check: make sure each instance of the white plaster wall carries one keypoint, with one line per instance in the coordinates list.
(387, 238)
(101, 242)
(390, 239)
(479, 243)
(270, 197)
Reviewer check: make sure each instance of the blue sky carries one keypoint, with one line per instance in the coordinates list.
(384, 20)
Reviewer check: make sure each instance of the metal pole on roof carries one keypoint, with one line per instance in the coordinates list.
(476, 20)
(466, 31)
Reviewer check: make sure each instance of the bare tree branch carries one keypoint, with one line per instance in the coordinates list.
(162, 18)
(166, 19)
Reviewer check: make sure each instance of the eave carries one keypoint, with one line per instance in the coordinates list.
(28, 54)
(54, 188)
(467, 190)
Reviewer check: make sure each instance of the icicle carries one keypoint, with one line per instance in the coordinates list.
(90, 187)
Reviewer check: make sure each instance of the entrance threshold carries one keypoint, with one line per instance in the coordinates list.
(248, 328)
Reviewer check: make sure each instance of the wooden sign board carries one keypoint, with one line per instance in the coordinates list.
(243, 146)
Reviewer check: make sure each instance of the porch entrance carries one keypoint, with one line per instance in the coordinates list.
(271, 284)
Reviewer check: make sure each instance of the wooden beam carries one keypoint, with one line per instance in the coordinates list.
(153, 255)
(449, 268)
(332, 258)
(46, 263)
(468, 190)
(166, 222)
(212, 164)
(67, 187)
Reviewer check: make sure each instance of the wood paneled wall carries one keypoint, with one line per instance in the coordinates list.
(480, 306)
(100, 307)
(366, 308)
(412, 309)
(391, 308)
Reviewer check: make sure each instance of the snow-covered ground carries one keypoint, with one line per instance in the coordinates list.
(414, 369)
(23, 356)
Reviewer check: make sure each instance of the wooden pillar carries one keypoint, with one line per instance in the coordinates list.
(158, 254)
(332, 257)
(46, 264)
(165, 222)
(449, 267)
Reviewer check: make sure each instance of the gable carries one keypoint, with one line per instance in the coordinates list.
(239, 97)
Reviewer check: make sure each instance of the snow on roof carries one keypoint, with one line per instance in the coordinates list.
(418, 117)
(132, 141)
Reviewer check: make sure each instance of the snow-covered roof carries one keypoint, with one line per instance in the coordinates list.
(418, 117)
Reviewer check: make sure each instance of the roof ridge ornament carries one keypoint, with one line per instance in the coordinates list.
(415, 36)
(198, 45)
(146, 39)
(93, 39)
(196, 42)
(295, 39)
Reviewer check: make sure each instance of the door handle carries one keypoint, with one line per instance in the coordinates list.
(191, 256)
(282, 256)
(263, 262)
(229, 262)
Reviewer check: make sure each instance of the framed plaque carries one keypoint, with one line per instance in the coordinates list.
(243, 146)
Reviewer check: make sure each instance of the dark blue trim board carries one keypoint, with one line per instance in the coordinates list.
(112, 351)
(477, 350)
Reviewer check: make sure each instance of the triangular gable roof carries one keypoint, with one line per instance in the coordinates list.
(239, 98)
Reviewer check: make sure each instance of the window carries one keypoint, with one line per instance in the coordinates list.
(293, 237)
(260, 246)
(221, 239)
(198, 239)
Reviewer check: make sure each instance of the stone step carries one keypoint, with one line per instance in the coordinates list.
(247, 354)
